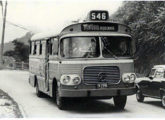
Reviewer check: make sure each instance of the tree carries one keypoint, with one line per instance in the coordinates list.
(146, 18)
(20, 52)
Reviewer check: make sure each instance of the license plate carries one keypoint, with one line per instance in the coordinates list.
(102, 85)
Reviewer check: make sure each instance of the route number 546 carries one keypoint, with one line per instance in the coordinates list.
(99, 15)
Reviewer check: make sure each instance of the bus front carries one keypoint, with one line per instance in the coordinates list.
(97, 61)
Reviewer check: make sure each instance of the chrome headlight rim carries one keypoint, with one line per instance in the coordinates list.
(132, 77)
(73, 78)
(78, 80)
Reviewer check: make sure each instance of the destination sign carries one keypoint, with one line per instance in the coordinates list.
(99, 27)
(99, 15)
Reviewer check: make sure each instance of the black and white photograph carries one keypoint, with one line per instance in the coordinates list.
(82, 59)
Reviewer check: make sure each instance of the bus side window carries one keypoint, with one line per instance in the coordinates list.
(49, 47)
(35, 49)
(30, 49)
(55, 46)
(40, 48)
(44, 51)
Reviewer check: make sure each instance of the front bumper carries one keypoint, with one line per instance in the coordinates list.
(97, 92)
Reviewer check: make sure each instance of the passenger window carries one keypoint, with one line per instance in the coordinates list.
(40, 51)
(44, 47)
(55, 46)
(35, 49)
(49, 47)
(30, 49)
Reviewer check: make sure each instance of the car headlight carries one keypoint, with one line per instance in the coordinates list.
(70, 79)
(128, 77)
(132, 77)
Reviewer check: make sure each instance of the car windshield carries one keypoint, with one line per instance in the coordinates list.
(159, 73)
(80, 47)
(116, 46)
(152, 72)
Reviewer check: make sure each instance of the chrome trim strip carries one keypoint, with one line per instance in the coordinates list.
(97, 61)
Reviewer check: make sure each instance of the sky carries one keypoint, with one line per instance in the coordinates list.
(48, 15)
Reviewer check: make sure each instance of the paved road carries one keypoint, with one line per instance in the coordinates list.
(15, 83)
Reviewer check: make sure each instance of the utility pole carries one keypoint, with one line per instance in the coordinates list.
(3, 32)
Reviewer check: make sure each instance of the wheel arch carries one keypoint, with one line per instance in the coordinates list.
(137, 87)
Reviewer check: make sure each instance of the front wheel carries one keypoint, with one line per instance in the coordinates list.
(139, 96)
(120, 102)
(60, 101)
(163, 100)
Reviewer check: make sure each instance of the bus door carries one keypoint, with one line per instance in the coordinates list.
(46, 65)
(51, 49)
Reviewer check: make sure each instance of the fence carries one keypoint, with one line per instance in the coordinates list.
(18, 66)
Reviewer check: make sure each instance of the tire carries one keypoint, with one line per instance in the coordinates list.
(120, 102)
(60, 101)
(163, 101)
(38, 92)
(54, 92)
(139, 96)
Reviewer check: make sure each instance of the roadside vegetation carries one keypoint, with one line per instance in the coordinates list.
(146, 19)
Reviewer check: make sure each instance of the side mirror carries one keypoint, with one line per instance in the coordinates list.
(151, 78)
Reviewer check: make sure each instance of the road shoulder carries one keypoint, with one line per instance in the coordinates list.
(8, 107)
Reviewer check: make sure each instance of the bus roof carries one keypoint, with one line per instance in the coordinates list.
(45, 35)
(77, 28)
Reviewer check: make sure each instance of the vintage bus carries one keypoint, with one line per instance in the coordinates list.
(88, 59)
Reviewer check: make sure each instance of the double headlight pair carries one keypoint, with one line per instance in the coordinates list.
(129, 77)
(70, 79)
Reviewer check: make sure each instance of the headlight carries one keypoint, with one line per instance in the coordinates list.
(76, 80)
(128, 77)
(66, 79)
(70, 79)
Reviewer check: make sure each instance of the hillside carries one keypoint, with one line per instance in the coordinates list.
(146, 18)
(10, 46)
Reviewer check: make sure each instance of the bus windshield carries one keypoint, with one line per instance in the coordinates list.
(89, 47)
(116, 46)
(80, 47)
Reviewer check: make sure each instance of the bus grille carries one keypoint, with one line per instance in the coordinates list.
(101, 74)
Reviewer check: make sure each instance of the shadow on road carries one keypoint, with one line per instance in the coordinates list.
(154, 103)
(87, 106)
(90, 106)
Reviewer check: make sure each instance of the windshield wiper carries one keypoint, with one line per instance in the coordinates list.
(113, 55)
(110, 52)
